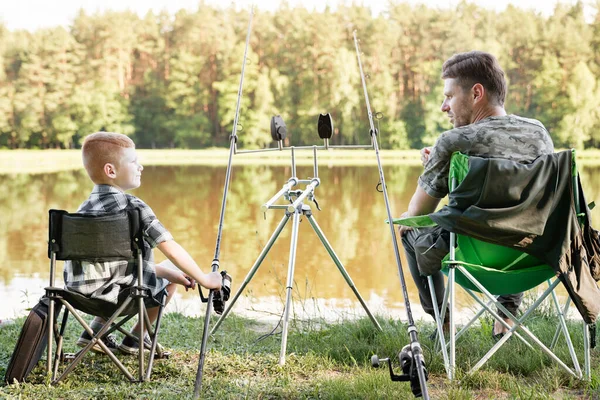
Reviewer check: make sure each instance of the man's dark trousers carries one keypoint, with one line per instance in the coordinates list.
(425, 248)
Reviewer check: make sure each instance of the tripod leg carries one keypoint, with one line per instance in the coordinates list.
(290, 282)
(340, 266)
(253, 270)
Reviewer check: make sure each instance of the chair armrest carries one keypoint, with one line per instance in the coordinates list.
(420, 221)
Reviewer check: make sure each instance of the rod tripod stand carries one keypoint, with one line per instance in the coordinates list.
(294, 211)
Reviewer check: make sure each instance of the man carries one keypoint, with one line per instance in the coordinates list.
(474, 95)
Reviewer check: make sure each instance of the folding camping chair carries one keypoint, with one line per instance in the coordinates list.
(492, 269)
(99, 237)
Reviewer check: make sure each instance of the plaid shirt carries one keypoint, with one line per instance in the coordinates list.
(104, 280)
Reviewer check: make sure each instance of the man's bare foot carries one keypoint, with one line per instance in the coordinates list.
(500, 330)
(446, 327)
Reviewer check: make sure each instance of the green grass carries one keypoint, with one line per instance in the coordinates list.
(323, 362)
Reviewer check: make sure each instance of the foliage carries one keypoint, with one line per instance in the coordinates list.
(172, 80)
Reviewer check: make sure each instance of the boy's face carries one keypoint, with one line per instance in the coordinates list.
(128, 171)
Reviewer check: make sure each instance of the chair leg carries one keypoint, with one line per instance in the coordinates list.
(154, 341)
(95, 340)
(558, 329)
(473, 319)
(488, 307)
(452, 300)
(141, 321)
(517, 324)
(57, 356)
(118, 326)
(439, 325)
(50, 335)
(565, 329)
(586, 352)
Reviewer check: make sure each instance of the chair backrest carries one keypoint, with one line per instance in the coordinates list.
(479, 252)
(504, 268)
(95, 237)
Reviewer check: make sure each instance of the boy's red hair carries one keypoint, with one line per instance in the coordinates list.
(101, 148)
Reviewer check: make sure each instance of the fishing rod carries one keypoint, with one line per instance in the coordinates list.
(215, 262)
(411, 356)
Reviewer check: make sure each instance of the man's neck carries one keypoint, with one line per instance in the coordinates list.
(491, 111)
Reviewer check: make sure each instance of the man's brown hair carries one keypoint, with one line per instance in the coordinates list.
(101, 148)
(477, 67)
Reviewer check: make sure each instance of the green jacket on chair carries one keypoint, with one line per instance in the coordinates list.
(531, 207)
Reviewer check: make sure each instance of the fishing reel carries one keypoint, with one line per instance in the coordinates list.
(219, 296)
(408, 363)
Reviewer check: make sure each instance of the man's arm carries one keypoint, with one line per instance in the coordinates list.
(420, 204)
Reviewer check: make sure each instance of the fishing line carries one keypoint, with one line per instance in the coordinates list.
(415, 347)
(215, 262)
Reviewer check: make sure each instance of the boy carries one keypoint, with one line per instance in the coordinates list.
(111, 163)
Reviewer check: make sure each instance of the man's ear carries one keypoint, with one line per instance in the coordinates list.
(478, 92)
(110, 170)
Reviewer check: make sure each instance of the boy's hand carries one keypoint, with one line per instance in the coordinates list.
(191, 283)
(182, 279)
(213, 280)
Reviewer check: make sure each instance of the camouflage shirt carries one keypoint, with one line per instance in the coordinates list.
(511, 137)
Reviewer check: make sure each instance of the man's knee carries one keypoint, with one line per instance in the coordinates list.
(430, 250)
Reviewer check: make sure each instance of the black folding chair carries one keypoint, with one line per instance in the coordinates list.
(99, 238)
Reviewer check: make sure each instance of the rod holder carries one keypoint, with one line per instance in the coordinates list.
(310, 189)
(286, 188)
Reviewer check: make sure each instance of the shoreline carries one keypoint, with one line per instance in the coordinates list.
(48, 161)
(15, 162)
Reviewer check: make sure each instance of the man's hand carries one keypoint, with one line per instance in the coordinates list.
(403, 229)
(425, 151)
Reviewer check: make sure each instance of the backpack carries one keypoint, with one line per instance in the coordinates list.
(32, 342)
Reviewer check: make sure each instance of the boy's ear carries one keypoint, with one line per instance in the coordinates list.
(110, 170)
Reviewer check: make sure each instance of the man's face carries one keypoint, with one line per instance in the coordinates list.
(129, 170)
(458, 103)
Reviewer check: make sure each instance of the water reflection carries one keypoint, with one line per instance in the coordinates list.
(187, 199)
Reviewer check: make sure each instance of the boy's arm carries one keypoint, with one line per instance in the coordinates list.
(182, 259)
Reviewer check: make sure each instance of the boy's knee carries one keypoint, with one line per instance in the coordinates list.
(171, 289)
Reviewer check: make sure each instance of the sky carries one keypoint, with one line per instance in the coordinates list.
(35, 14)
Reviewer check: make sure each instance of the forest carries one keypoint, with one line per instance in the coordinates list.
(171, 80)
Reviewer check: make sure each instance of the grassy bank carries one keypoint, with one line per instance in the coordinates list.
(44, 161)
(323, 362)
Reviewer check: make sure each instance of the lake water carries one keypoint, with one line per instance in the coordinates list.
(187, 199)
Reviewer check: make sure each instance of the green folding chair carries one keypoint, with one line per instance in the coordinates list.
(492, 269)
